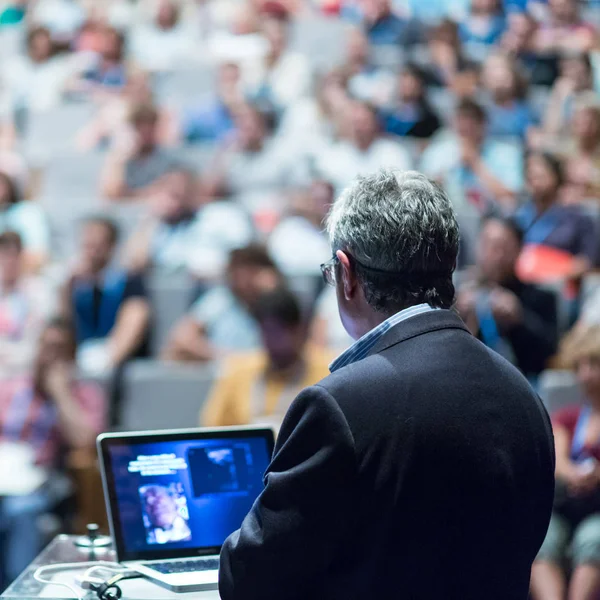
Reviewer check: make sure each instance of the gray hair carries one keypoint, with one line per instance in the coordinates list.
(401, 231)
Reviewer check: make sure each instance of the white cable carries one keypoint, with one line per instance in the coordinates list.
(120, 569)
(40, 571)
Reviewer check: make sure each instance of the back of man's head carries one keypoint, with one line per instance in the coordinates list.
(401, 233)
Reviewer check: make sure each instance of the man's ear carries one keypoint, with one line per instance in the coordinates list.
(347, 274)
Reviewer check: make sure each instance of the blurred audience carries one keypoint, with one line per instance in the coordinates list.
(28, 220)
(26, 302)
(108, 306)
(515, 319)
(137, 161)
(259, 387)
(181, 235)
(567, 564)
(221, 320)
(48, 413)
(480, 173)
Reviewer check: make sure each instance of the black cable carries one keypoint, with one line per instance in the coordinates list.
(109, 590)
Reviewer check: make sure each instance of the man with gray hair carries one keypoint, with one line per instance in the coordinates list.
(423, 466)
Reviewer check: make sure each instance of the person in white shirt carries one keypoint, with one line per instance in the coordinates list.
(283, 76)
(298, 244)
(253, 161)
(365, 151)
(37, 80)
(160, 46)
(479, 173)
(178, 235)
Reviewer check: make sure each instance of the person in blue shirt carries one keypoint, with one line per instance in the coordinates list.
(482, 29)
(545, 221)
(213, 120)
(108, 306)
(383, 27)
(508, 112)
(109, 73)
(412, 115)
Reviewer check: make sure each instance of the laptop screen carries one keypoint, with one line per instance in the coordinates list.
(182, 495)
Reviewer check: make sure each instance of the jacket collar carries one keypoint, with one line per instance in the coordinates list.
(419, 325)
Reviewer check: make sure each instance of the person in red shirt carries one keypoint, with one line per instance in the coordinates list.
(574, 531)
(46, 414)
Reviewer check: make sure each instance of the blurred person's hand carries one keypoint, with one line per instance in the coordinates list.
(57, 380)
(506, 307)
(564, 87)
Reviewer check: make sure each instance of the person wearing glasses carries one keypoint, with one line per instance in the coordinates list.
(423, 466)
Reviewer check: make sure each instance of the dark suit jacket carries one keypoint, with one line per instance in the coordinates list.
(425, 471)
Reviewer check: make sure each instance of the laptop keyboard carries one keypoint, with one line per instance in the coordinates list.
(185, 566)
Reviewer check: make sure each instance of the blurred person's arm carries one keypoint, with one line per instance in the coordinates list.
(137, 253)
(79, 419)
(554, 117)
(130, 330)
(113, 181)
(503, 194)
(189, 342)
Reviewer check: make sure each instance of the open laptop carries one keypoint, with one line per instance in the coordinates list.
(173, 497)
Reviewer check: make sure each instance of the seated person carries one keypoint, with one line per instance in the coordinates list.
(48, 412)
(252, 161)
(180, 235)
(509, 114)
(412, 114)
(383, 26)
(283, 76)
(564, 32)
(572, 544)
(545, 221)
(25, 304)
(164, 43)
(28, 220)
(108, 306)
(108, 73)
(367, 82)
(34, 81)
(137, 162)
(479, 174)
(220, 321)
(364, 151)
(575, 79)
(516, 320)
(213, 120)
(259, 387)
(298, 243)
(583, 155)
(482, 29)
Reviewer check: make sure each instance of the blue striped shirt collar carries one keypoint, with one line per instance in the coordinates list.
(361, 348)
